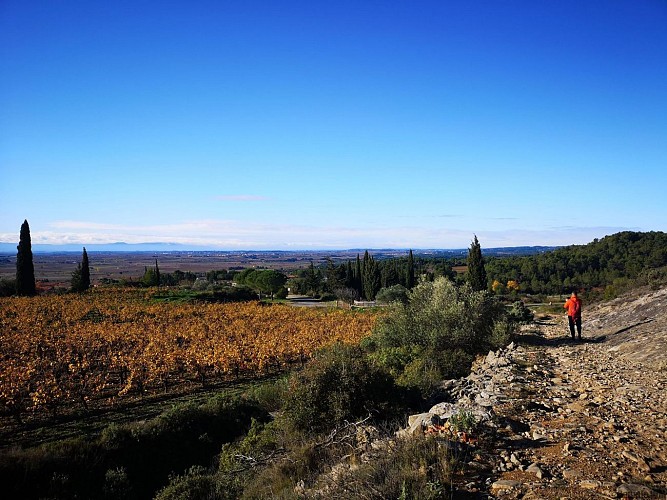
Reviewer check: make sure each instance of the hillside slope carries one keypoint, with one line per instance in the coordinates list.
(555, 418)
(589, 419)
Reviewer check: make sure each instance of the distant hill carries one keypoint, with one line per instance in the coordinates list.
(106, 247)
(10, 248)
(612, 259)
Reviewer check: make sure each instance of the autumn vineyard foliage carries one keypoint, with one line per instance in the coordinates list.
(70, 351)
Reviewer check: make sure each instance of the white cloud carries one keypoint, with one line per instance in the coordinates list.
(234, 234)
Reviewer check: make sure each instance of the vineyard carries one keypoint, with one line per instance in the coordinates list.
(71, 351)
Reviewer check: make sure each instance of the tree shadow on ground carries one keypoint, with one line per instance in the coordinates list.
(535, 338)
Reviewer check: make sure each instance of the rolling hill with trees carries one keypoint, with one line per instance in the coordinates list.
(607, 262)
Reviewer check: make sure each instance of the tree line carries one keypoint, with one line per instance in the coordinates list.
(361, 278)
(621, 256)
(368, 278)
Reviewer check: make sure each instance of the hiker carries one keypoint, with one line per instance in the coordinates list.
(573, 306)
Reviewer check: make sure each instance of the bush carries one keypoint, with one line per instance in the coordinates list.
(117, 485)
(269, 461)
(437, 333)
(422, 374)
(327, 297)
(270, 395)
(396, 293)
(63, 469)
(519, 313)
(129, 460)
(503, 332)
(7, 287)
(195, 484)
(227, 294)
(338, 385)
(418, 467)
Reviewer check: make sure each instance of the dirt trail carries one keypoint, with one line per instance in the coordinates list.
(589, 419)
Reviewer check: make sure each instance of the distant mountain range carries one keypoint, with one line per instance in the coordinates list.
(105, 247)
(10, 248)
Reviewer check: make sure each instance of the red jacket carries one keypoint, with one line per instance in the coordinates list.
(573, 306)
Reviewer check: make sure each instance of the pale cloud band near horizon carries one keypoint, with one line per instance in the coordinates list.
(233, 234)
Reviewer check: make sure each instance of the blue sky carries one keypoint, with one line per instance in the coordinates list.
(347, 124)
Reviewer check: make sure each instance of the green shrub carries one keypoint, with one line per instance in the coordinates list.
(393, 359)
(437, 334)
(195, 484)
(271, 394)
(396, 293)
(339, 384)
(463, 421)
(7, 287)
(269, 461)
(129, 460)
(422, 374)
(519, 313)
(454, 363)
(116, 436)
(419, 467)
(502, 334)
(64, 469)
(117, 485)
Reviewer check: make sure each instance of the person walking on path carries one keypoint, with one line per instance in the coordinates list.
(573, 306)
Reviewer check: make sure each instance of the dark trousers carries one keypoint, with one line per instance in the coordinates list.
(574, 321)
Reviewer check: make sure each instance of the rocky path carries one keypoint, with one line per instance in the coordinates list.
(586, 419)
(555, 418)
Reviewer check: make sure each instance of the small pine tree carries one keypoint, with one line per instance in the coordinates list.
(476, 274)
(25, 269)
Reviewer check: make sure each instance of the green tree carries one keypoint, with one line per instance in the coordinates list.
(358, 277)
(389, 274)
(270, 281)
(313, 280)
(476, 274)
(335, 276)
(81, 275)
(410, 272)
(151, 276)
(25, 269)
(371, 278)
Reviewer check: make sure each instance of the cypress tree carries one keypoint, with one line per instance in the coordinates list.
(157, 274)
(389, 273)
(371, 277)
(349, 275)
(410, 272)
(25, 269)
(357, 277)
(476, 274)
(85, 270)
(81, 275)
(312, 280)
